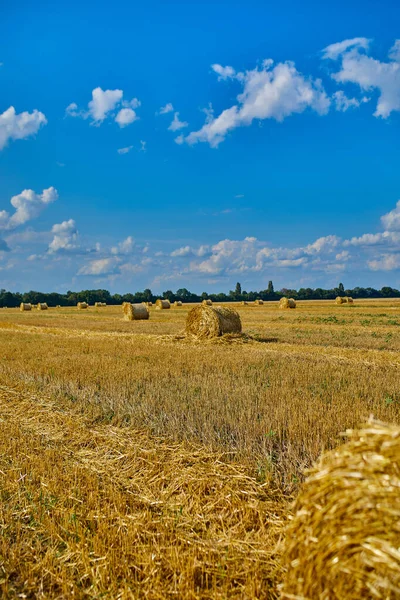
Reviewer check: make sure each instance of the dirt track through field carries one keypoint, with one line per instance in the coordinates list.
(90, 510)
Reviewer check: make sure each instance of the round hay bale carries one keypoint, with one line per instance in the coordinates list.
(98, 304)
(207, 302)
(178, 303)
(258, 302)
(349, 300)
(82, 305)
(149, 304)
(162, 304)
(344, 539)
(42, 306)
(287, 303)
(340, 300)
(58, 306)
(135, 312)
(244, 303)
(25, 306)
(209, 321)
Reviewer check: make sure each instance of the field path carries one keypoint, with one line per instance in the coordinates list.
(90, 510)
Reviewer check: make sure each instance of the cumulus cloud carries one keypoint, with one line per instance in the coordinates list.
(103, 105)
(176, 124)
(269, 92)
(124, 247)
(65, 236)
(224, 73)
(343, 103)
(125, 117)
(166, 109)
(387, 262)
(391, 220)
(369, 73)
(101, 266)
(20, 126)
(28, 205)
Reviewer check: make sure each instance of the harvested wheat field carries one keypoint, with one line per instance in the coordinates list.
(139, 462)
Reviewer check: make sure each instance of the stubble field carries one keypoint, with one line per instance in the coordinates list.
(135, 463)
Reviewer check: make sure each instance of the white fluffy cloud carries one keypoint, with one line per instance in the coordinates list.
(101, 266)
(28, 205)
(126, 116)
(343, 103)
(369, 73)
(224, 73)
(124, 247)
(15, 126)
(103, 105)
(269, 92)
(387, 262)
(166, 109)
(65, 236)
(391, 221)
(176, 124)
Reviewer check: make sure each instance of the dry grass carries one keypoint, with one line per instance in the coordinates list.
(264, 404)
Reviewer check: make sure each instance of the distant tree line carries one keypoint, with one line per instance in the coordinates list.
(11, 299)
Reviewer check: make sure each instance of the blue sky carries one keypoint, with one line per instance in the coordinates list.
(170, 145)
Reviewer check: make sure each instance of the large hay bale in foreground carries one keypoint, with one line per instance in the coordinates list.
(25, 306)
(82, 305)
(135, 312)
(287, 303)
(212, 321)
(162, 304)
(340, 300)
(259, 302)
(343, 542)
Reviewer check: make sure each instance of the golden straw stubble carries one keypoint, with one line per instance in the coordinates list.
(344, 539)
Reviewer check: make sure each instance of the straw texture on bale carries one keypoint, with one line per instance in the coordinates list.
(343, 542)
(340, 300)
(259, 302)
(287, 303)
(42, 306)
(25, 306)
(178, 303)
(82, 305)
(162, 304)
(209, 321)
(207, 302)
(135, 312)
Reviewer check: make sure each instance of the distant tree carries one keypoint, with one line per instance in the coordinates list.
(270, 288)
(238, 290)
(148, 295)
(341, 289)
(169, 295)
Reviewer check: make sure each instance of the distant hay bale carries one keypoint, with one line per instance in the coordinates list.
(287, 303)
(58, 306)
(42, 306)
(135, 312)
(207, 302)
(244, 303)
(25, 306)
(162, 304)
(82, 305)
(178, 303)
(149, 304)
(212, 321)
(344, 539)
(99, 304)
(259, 302)
(344, 300)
